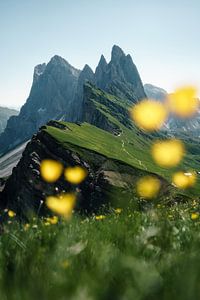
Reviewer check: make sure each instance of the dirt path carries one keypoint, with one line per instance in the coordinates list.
(139, 161)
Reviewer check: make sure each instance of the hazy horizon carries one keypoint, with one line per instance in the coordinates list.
(160, 37)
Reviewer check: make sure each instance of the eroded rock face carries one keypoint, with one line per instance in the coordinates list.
(26, 191)
(57, 93)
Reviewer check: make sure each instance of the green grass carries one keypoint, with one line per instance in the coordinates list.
(133, 255)
(130, 147)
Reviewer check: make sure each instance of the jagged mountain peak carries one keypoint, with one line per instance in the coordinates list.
(117, 53)
(39, 70)
(58, 61)
(102, 61)
(57, 93)
(87, 69)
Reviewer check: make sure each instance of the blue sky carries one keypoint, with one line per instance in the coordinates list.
(161, 36)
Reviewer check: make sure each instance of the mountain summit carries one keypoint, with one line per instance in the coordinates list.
(57, 93)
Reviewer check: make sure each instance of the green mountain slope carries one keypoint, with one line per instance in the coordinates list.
(107, 143)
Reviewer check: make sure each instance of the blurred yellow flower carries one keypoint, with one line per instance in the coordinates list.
(184, 180)
(183, 102)
(118, 210)
(149, 114)
(11, 214)
(148, 187)
(50, 170)
(62, 204)
(47, 223)
(26, 226)
(194, 216)
(168, 153)
(53, 220)
(75, 174)
(100, 217)
(65, 264)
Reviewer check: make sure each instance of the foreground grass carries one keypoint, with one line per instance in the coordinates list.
(131, 255)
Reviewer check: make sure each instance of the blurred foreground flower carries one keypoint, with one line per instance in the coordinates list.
(149, 115)
(183, 102)
(26, 226)
(100, 217)
(184, 180)
(194, 216)
(11, 214)
(52, 220)
(62, 204)
(168, 153)
(118, 210)
(148, 187)
(75, 175)
(51, 170)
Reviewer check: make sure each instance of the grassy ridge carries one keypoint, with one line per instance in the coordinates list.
(130, 147)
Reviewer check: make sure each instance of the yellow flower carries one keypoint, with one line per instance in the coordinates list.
(50, 170)
(194, 216)
(11, 214)
(62, 204)
(168, 153)
(148, 187)
(26, 226)
(65, 264)
(52, 220)
(149, 114)
(35, 226)
(47, 223)
(183, 102)
(118, 210)
(100, 217)
(184, 180)
(75, 174)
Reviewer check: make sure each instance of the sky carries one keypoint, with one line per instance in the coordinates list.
(162, 36)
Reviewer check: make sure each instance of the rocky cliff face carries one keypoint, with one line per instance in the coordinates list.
(154, 92)
(120, 77)
(57, 93)
(5, 114)
(99, 105)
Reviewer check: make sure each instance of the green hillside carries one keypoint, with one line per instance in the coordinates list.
(128, 145)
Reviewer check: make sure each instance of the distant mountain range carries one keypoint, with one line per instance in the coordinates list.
(5, 114)
(57, 93)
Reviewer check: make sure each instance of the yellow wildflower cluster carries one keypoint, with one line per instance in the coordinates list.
(62, 204)
(51, 171)
(100, 217)
(150, 115)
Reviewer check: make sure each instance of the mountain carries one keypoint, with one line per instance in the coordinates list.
(181, 128)
(108, 145)
(5, 114)
(154, 92)
(57, 93)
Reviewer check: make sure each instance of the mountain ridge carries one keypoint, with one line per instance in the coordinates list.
(57, 93)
